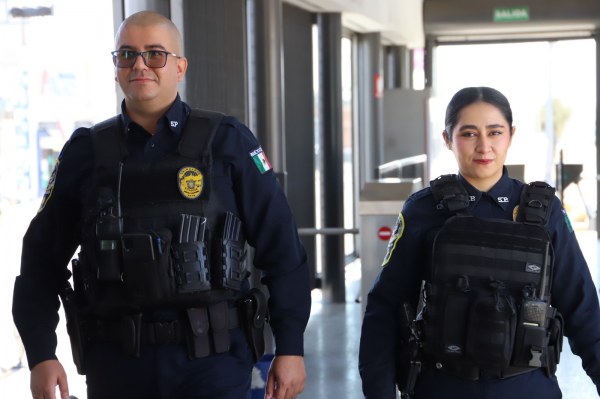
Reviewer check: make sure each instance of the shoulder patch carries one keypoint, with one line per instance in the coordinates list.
(260, 160)
(49, 187)
(567, 220)
(398, 230)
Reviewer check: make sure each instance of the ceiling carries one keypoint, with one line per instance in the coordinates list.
(400, 22)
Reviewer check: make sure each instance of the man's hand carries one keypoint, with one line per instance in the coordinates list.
(286, 377)
(45, 376)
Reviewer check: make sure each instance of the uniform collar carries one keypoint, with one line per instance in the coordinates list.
(174, 119)
(502, 193)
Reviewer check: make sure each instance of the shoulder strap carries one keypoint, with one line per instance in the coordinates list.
(198, 133)
(536, 203)
(106, 136)
(448, 193)
(195, 142)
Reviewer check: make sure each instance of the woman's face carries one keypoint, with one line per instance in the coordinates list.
(480, 142)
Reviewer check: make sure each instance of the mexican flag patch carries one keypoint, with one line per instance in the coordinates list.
(260, 160)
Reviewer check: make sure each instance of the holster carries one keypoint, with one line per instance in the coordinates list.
(555, 342)
(253, 315)
(408, 362)
(75, 328)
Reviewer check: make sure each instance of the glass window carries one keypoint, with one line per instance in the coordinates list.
(57, 75)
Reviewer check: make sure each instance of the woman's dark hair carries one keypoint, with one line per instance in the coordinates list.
(470, 95)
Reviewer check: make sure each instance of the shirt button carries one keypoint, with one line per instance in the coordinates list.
(152, 145)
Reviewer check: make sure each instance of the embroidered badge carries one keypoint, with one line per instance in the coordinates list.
(260, 160)
(398, 230)
(567, 220)
(502, 199)
(49, 187)
(190, 182)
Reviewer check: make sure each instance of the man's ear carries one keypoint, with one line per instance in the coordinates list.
(182, 65)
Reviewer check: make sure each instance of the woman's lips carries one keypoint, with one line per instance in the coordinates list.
(484, 161)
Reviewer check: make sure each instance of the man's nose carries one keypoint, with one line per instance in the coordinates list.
(139, 62)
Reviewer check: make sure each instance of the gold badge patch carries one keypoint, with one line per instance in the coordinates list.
(190, 182)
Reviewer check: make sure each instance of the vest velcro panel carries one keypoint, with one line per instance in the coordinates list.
(483, 271)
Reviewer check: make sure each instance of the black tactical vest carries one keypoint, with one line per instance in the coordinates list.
(155, 234)
(487, 306)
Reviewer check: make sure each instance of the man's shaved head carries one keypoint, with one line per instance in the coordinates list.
(151, 18)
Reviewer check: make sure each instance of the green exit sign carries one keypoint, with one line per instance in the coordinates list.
(507, 14)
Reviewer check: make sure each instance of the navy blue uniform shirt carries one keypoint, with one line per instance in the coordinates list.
(55, 232)
(573, 294)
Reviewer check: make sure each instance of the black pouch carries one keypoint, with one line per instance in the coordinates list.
(147, 267)
(233, 253)
(531, 336)
(191, 267)
(253, 314)
(454, 325)
(491, 331)
(555, 342)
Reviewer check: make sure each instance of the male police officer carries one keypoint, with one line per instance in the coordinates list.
(161, 200)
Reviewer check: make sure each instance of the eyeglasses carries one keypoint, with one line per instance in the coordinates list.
(151, 58)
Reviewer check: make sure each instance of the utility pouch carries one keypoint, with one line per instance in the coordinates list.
(454, 325)
(109, 227)
(491, 331)
(253, 314)
(219, 325)
(146, 266)
(555, 342)
(233, 253)
(198, 342)
(191, 267)
(192, 270)
(131, 334)
(75, 328)
(531, 337)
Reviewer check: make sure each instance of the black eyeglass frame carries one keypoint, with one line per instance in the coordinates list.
(144, 55)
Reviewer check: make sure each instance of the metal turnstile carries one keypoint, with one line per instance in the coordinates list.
(380, 203)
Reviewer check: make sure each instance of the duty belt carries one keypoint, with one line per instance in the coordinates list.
(131, 332)
(474, 373)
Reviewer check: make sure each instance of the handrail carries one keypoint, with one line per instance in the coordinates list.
(401, 163)
(326, 231)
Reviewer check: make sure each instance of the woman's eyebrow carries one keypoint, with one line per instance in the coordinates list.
(474, 127)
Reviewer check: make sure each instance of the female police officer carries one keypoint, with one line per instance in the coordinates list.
(488, 298)
(160, 183)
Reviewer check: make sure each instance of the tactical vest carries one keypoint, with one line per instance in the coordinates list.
(487, 310)
(155, 234)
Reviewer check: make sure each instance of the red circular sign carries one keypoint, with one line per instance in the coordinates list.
(384, 233)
